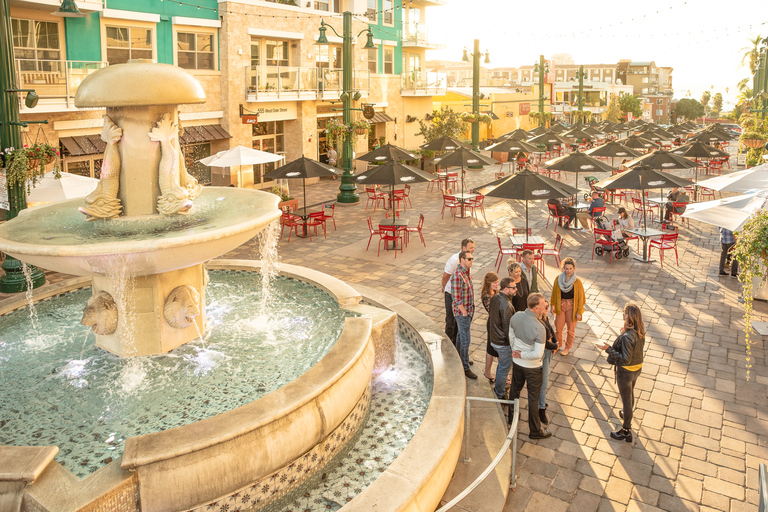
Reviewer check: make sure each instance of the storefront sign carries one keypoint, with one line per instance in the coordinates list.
(283, 111)
(525, 108)
(250, 119)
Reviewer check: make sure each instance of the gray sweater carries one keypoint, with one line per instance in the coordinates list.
(528, 335)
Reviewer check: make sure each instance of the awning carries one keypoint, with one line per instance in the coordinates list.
(92, 144)
(380, 117)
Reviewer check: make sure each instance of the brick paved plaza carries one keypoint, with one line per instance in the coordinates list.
(701, 428)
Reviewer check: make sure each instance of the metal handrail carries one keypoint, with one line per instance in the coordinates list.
(763, 489)
(511, 438)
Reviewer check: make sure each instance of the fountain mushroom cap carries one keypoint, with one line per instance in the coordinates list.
(138, 82)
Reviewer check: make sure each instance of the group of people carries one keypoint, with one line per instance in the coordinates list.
(522, 338)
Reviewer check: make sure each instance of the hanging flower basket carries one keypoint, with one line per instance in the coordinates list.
(752, 143)
(361, 131)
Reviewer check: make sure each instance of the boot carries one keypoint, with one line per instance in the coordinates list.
(543, 416)
(622, 434)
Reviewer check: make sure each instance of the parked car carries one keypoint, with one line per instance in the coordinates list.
(733, 127)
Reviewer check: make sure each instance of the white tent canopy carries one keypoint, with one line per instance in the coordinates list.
(69, 186)
(729, 213)
(741, 181)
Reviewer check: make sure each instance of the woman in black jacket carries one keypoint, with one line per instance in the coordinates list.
(627, 356)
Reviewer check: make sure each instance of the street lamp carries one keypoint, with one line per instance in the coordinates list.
(476, 95)
(542, 68)
(581, 75)
(14, 279)
(347, 190)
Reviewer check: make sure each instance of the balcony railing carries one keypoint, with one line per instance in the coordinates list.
(55, 81)
(423, 82)
(418, 35)
(291, 81)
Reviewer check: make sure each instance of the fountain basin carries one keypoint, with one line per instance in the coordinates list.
(57, 237)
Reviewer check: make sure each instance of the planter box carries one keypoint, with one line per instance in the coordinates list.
(292, 204)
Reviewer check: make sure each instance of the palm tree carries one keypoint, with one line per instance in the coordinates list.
(751, 53)
(745, 97)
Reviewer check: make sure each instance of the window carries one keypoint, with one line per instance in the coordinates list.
(389, 61)
(659, 112)
(371, 9)
(195, 51)
(267, 136)
(276, 53)
(255, 52)
(645, 80)
(373, 57)
(644, 91)
(388, 12)
(36, 41)
(322, 5)
(126, 43)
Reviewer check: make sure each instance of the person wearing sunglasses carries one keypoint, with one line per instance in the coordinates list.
(500, 314)
(463, 306)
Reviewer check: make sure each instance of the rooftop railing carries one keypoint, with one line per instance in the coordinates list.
(54, 79)
(292, 81)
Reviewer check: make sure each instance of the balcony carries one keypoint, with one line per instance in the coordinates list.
(55, 81)
(416, 35)
(273, 83)
(422, 83)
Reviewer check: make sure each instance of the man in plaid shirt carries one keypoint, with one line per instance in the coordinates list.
(463, 307)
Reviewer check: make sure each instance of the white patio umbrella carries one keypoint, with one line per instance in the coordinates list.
(731, 212)
(240, 155)
(69, 186)
(741, 181)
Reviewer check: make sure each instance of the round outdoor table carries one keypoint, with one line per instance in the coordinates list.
(645, 235)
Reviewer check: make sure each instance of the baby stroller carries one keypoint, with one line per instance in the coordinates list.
(591, 180)
(620, 248)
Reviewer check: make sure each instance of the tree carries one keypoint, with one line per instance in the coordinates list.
(613, 114)
(445, 123)
(751, 52)
(705, 99)
(688, 108)
(630, 103)
(717, 104)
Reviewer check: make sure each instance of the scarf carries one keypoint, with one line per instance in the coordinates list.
(566, 286)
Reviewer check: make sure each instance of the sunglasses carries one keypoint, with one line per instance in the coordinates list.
(469, 259)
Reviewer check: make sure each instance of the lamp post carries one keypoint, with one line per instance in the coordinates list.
(581, 75)
(760, 80)
(347, 190)
(476, 94)
(541, 68)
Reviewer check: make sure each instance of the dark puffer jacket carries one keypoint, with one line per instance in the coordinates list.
(627, 350)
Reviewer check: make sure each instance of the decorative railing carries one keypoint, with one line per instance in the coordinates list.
(417, 34)
(54, 79)
(423, 81)
(277, 81)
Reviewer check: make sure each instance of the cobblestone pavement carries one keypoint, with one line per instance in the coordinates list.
(701, 427)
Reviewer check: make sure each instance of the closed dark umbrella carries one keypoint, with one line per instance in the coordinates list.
(527, 186)
(302, 168)
(462, 157)
(392, 174)
(644, 177)
(443, 144)
(388, 153)
(578, 162)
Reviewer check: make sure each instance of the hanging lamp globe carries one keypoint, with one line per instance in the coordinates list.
(68, 9)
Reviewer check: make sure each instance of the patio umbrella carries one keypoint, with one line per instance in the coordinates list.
(462, 157)
(638, 142)
(527, 186)
(302, 168)
(663, 160)
(730, 213)
(443, 144)
(392, 174)
(643, 177)
(740, 181)
(388, 153)
(51, 189)
(594, 131)
(577, 134)
(697, 149)
(708, 137)
(578, 162)
(518, 134)
(558, 128)
(240, 155)
(513, 146)
(613, 150)
(538, 130)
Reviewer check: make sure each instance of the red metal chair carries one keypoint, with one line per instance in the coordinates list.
(512, 251)
(630, 237)
(620, 194)
(707, 192)
(537, 257)
(673, 213)
(638, 204)
(417, 229)
(555, 250)
(398, 196)
(407, 196)
(374, 196)
(451, 202)
(596, 212)
(390, 234)
(329, 208)
(372, 232)
(290, 220)
(452, 179)
(315, 219)
(522, 231)
(476, 204)
(553, 214)
(604, 242)
(667, 242)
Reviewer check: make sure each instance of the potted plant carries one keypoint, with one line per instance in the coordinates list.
(471, 117)
(27, 164)
(335, 130)
(285, 199)
(360, 127)
(751, 251)
(752, 139)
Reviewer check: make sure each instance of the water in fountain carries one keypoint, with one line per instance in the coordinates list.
(88, 401)
(30, 302)
(270, 260)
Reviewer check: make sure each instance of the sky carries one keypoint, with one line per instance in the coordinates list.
(702, 40)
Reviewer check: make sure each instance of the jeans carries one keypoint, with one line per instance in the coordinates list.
(502, 369)
(724, 248)
(544, 378)
(625, 380)
(521, 376)
(463, 339)
(451, 330)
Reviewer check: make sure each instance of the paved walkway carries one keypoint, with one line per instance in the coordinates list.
(701, 428)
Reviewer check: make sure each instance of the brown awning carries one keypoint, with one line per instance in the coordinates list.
(92, 144)
(381, 117)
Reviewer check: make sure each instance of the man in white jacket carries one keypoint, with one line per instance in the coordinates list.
(528, 337)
